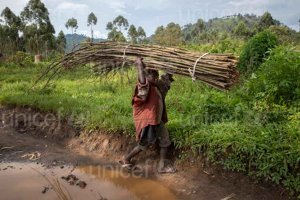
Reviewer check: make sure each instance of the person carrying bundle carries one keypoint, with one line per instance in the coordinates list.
(150, 115)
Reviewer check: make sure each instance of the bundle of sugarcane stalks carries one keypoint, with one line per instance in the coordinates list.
(216, 70)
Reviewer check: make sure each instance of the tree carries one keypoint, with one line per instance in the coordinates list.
(132, 34)
(241, 30)
(10, 18)
(158, 36)
(38, 30)
(115, 29)
(265, 21)
(141, 35)
(169, 36)
(285, 34)
(92, 20)
(10, 31)
(72, 23)
(121, 23)
(192, 32)
(61, 42)
(256, 51)
(116, 36)
(198, 28)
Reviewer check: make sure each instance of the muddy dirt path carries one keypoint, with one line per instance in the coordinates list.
(35, 146)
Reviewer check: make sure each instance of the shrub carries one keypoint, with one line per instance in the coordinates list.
(256, 50)
(21, 58)
(277, 81)
(227, 45)
(285, 34)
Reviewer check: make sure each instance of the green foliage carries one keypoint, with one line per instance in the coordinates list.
(278, 80)
(193, 31)
(269, 151)
(169, 36)
(285, 34)
(136, 35)
(266, 20)
(92, 20)
(72, 23)
(9, 36)
(256, 50)
(121, 23)
(217, 29)
(116, 36)
(38, 30)
(115, 29)
(21, 59)
(61, 42)
(224, 46)
(141, 35)
(132, 34)
(241, 30)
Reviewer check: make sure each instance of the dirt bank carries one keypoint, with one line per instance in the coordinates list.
(28, 135)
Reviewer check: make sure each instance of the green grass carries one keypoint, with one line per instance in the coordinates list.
(232, 129)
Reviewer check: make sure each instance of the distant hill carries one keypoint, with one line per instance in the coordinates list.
(77, 39)
(219, 27)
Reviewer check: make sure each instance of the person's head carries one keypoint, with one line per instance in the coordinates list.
(152, 75)
(168, 76)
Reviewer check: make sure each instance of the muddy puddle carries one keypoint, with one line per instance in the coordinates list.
(36, 181)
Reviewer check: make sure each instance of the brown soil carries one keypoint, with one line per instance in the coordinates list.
(53, 142)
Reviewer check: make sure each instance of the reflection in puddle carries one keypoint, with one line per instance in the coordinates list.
(22, 181)
(140, 187)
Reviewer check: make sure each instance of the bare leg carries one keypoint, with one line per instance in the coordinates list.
(162, 168)
(133, 153)
(162, 157)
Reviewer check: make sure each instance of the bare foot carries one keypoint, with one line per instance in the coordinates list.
(125, 163)
(163, 169)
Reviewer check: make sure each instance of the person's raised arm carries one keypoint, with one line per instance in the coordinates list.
(141, 70)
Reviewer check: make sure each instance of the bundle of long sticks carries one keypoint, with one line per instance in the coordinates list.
(216, 70)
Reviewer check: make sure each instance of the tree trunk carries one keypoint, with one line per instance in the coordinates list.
(92, 33)
(38, 58)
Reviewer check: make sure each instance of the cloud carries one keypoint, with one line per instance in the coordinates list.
(97, 34)
(15, 6)
(71, 6)
(118, 6)
(246, 3)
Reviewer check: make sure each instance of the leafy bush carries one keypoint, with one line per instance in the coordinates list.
(228, 45)
(277, 81)
(285, 34)
(21, 58)
(52, 56)
(256, 50)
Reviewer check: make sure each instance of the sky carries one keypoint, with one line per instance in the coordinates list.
(152, 13)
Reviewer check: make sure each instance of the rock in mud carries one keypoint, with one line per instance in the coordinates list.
(81, 184)
(45, 190)
(72, 180)
(54, 163)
